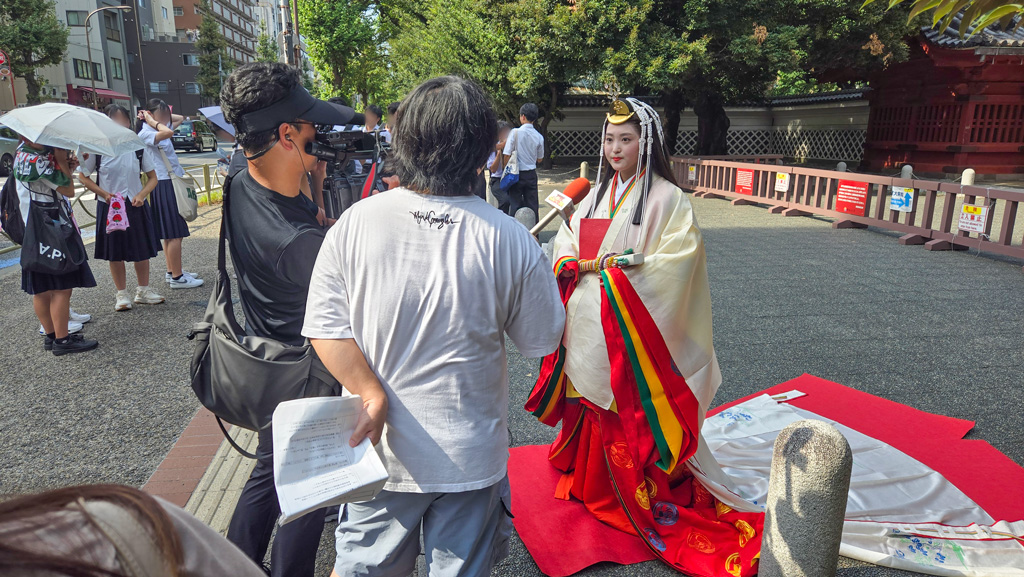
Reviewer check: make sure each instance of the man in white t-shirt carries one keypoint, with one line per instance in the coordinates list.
(425, 281)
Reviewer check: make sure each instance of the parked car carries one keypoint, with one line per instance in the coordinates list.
(8, 146)
(194, 135)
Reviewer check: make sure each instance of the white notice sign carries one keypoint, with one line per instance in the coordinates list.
(314, 466)
(973, 218)
(781, 181)
(691, 173)
(902, 199)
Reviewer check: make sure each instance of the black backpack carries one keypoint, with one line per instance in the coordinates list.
(11, 220)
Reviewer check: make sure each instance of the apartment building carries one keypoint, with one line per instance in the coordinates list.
(237, 23)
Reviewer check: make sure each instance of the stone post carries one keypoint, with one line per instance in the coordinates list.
(585, 169)
(907, 171)
(968, 177)
(807, 492)
(841, 167)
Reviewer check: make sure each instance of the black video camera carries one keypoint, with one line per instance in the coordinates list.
(352, 156)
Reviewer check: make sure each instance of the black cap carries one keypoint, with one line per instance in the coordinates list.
(299, 104)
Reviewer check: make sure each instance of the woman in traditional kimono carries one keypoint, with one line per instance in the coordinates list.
(637, 370)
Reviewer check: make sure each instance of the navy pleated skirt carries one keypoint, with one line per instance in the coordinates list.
(138, 243)
(168, 221)
(35, 283)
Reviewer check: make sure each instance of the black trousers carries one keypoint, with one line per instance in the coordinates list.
(294, 553)
(524, 194)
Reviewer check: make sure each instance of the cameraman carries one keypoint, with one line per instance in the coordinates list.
(274, 239)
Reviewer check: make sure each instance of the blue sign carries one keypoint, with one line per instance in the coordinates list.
(902, 199)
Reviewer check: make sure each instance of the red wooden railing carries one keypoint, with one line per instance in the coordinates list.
(933, 218)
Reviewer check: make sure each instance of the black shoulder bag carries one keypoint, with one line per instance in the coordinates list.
(242, 378)
(52, 243)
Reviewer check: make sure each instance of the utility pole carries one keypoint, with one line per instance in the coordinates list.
(297, 39)
(287, 33)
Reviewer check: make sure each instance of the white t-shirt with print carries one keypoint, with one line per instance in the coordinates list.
(148, 135)
(428, 287)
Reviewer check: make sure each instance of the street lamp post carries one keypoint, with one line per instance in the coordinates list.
(88, 48)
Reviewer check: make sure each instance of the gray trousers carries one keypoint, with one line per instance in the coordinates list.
(464, 534)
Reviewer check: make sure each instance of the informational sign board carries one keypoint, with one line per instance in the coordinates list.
(902, 199)
(744, 181)
(781, 181)
(852, 197)
(973, 218)
(691, 173)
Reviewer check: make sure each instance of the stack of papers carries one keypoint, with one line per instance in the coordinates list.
(314, 466)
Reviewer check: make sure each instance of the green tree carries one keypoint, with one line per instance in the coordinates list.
(32, 37)
(336, 33)
(214, 62)
(266, 46)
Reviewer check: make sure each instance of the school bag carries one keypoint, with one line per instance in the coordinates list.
(11, 222)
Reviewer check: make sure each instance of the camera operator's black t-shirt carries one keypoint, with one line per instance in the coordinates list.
(274, 242)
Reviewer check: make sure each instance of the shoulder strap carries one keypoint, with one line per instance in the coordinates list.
(167, 162)
(136, 550)
(99, 161)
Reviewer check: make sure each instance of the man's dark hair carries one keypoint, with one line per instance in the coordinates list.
(448, 130)
(253, 87)
(530, 111)
(393, 108)
(375, 110)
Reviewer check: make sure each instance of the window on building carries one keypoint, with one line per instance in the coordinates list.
(190, 59)
(158, 87)
(195, 7)
(97, 70)
(112, 27)
(191, 88)
(82, 68)
(142, 3)
(76, 17)
(164, 10)
(179, 11)
(116, 68)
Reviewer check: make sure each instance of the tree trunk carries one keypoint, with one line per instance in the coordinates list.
(31, 87)
(552, 105)
(675, 104)
(712, 125)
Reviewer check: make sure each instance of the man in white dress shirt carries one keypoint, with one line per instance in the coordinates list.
(530, 145)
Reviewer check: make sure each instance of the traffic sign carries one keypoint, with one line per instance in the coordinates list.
(3, 57)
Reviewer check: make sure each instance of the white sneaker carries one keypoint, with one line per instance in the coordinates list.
(168, 277)
(73, 328)
(123, 301)
(186, 281)
(79, 318)
(147, 296)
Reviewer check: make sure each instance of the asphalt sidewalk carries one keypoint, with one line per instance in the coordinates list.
(937, 331)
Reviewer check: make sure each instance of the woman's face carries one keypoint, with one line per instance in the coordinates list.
(622, 146)
(163, 116)
(503, 133)
(121, 118)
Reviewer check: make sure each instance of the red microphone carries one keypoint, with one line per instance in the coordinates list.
(563, 203)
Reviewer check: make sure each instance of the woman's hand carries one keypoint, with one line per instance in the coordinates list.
(140, 200)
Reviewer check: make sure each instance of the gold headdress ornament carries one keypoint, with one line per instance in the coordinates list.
(620, 112)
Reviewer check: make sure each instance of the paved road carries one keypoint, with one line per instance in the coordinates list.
(936, 331)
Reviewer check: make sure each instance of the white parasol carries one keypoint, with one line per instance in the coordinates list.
(72, 127)
(216, 116)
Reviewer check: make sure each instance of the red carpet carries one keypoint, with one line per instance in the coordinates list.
(564, 538)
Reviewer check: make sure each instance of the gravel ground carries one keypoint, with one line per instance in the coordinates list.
(936, 331)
